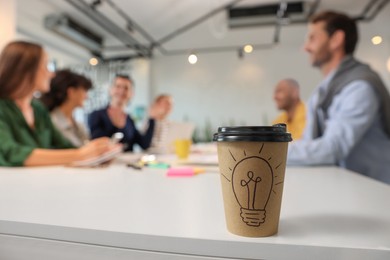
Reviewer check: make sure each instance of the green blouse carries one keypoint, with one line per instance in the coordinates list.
(18, 140)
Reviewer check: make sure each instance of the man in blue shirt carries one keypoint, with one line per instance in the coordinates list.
(348, 120)
(113, 118)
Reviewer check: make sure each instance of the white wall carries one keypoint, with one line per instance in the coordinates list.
(376, 55)
(7, 22)
(223, 89)
(141, 74)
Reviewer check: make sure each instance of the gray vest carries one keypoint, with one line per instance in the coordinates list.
(348, 71)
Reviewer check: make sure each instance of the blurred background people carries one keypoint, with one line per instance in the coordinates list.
(68, 91)
(287, 98)
(165, 103)
(27, 135)
(349, 112)
(113, 118)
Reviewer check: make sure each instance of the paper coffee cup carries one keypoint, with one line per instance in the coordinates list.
(252, 162)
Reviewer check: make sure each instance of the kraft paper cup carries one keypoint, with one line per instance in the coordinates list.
(252, 162)
(182, 148)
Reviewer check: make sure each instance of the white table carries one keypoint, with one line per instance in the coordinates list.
(121, 213)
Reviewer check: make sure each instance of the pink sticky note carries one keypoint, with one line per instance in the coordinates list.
(180, 172)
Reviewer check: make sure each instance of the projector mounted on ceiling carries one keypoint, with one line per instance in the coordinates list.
(72, 30)
(261, 15)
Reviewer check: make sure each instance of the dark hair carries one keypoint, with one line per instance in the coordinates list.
(19, 63)
(59, 85)
(335, 21)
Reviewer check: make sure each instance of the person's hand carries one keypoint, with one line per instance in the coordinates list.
(157, 111)
(117, 116)
(96, 148)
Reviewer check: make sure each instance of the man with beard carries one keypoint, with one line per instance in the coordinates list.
(349, 112)
(286, 96)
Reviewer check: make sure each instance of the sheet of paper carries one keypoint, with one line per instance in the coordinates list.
(98, 160)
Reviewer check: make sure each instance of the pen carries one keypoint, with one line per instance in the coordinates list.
(115, 138)
(134, 166)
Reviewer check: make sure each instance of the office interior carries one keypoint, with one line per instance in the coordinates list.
(227, 86)
(245, 81)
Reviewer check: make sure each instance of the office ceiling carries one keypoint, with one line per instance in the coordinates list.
(139, 28)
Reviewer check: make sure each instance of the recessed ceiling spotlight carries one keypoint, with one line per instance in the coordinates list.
(376, 40)
(192, 59)
(93, 61)
(248, 48)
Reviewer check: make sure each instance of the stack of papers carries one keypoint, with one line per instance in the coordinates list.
(96, 161)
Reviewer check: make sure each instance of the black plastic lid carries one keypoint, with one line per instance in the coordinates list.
(275, 133)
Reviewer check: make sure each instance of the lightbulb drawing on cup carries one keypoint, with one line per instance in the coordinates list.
(252, 181)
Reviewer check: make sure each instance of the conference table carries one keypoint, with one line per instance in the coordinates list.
(118, 212)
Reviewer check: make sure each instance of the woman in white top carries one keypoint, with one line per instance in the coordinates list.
(68, 91)
(160, 141)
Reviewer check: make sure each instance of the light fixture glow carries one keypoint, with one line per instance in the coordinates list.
(93, 61)
(248, 48)
(376, 40)
(192, 59)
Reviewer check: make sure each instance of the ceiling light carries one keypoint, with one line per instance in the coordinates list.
(93, 61)
(248, 48)
(192, 59)
(376, 40)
